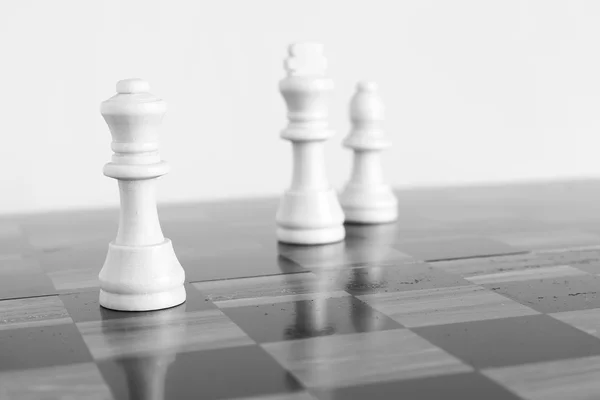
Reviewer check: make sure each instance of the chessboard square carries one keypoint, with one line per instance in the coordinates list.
(211, 374)
(363, 281)
(286, 396)
(73, 381)
(511, 341)
(593, 267)
(77, 229)
(586, 259)
(587, 321)
(25, 285)
(260, 289)
(318, 316)
(238, 264)
(550, 272)
(38, 347)
(362, 358)
(470, 385)
(445, 306)
(474, 267)
(13, 239)
(163, 331)
(454, 248)
(75, 270)
(75, 280)
(364, 246)
(22, 277)
(549, 239)
(85, 306)
(325, 256)
(568, 293)
(411, 226)
(33, 312)
(573, 379)
(89, 257)
(10, 229)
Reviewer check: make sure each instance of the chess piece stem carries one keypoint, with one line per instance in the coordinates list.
(309, 164)
(138, 224)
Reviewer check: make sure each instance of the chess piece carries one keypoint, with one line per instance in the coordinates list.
(141, 270)
(309, 212)
(366, 198)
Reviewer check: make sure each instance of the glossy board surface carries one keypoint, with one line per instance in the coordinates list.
(481, 292)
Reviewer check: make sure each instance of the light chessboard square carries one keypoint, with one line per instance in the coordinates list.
(361, 358)
(449, 305)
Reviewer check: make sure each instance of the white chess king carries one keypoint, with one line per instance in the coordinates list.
(141, 271)
(366, 198)
(309, 212)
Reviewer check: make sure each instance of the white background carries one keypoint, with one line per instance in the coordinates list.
(476, 91)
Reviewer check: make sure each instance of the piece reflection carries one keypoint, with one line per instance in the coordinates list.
(311, 314)
(149, 345)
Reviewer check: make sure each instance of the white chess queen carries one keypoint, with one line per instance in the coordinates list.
(141, 271)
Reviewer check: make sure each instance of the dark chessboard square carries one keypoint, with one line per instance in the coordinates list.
(591, 265)
(363, 281)
(238, 372)
(38, 347)
(59, 231)
(21, 277)
(72, 381)
(12, 239)
(85, 306)
(321, 316)
(550, 239)
(550, 295)
(511, 341)
(456, 386)
(90, 257)
(235, 264)
(76, 269)
(454, 248)
(25, 285)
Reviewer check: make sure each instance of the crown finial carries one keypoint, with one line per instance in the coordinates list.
(366, 104)
(306, 59)
(132, 86)
(366, 86)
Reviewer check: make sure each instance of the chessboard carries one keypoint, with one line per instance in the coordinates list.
(484, 292)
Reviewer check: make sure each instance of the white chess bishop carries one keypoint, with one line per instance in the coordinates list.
(141, 271)
(309, 212)
(366, 198)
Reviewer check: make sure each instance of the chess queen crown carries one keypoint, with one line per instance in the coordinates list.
(134, 117)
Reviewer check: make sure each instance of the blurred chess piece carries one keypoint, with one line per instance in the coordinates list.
(141, 271)
(146, 364)
(366, 198)
(309, 212)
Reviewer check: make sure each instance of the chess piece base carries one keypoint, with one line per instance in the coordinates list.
(380, 215)
(369, 205)
(311, 236)
(141, 278)
(310, 217)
